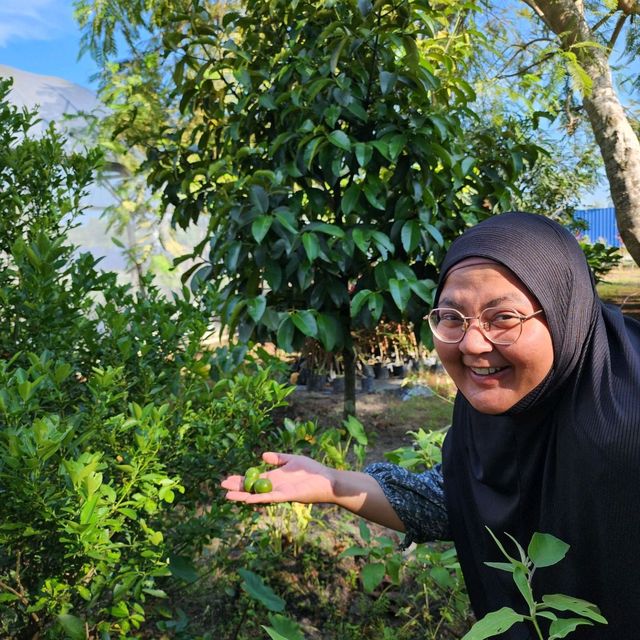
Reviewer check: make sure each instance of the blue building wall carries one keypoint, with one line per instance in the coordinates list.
(602, 225)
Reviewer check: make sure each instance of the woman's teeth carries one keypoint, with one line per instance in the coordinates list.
(485, 371)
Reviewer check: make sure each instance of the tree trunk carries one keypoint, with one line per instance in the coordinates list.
(618, 142)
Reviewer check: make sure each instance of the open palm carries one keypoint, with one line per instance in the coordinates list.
(296, 479)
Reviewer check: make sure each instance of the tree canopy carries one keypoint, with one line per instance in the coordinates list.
(333, 151)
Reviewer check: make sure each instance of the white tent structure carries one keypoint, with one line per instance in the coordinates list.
(62, 102)
(53, 97)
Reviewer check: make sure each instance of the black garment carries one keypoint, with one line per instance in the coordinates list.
(566, 459)
(417, 498)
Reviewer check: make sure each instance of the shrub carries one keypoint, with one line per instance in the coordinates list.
(114, 437)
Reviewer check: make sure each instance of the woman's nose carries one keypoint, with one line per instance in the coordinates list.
(474, 340)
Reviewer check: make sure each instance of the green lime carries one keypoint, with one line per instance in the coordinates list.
(250, 476)
(262, 485)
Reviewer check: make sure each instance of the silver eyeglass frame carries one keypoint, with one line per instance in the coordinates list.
(483, 329)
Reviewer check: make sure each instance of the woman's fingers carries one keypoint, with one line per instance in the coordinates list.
(233, 483)
(278, 459)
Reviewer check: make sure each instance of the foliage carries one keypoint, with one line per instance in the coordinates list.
(117, 423)
(114, 429)
(97, 431)
(426, 452)
(326, 145)
(601, 258)
(323, 142)
(40, 182)
(544, 550)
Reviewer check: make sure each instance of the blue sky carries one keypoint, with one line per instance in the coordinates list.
(42, 37)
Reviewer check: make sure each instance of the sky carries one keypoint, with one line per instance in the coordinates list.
(42, 37)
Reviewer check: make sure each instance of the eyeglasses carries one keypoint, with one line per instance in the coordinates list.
(497, 324)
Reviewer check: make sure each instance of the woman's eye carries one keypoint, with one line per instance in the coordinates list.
(450, 317)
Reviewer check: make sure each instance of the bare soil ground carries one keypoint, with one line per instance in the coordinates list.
(385, 415)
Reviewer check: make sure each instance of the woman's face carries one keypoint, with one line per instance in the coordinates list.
(493, 378)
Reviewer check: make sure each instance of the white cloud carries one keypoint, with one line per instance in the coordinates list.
(34, 19)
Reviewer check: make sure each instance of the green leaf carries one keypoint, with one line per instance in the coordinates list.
(383, 243)
(361, 239)
(305, 322)
(7, 597)
(256, 307)
(310, 151)
(583, 608)
(260, 227)
(493, 624)
(372, 575)
(467, 165)
(546, 550)
(364, 153)
(412, 53)
(410, 235)
(285, 334)
(311, 246)
(350, 199)
(372, 196)
(424, 289)
(564, 626)
(358, 300)
(435, 234)
(275, 635)
(376, 305)
(257, 589)
(356, 430)
(273, 276)
(396, 145)
(335, 56)
(502, 566)
(328, 331)
(520, 578)
(73, 626)
(259, 198)
(283, 628)
(387, 81)
(340, 139)
(329, 229)
(400, 292)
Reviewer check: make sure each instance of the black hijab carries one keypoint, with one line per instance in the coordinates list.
(565, 460)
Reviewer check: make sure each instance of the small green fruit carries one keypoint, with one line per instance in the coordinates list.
(262, 485)
(250, 476)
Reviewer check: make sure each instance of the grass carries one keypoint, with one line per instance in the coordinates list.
(621, 286)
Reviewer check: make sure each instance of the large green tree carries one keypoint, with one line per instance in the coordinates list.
(328, 143)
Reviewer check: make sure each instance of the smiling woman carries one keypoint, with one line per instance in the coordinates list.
(544, 437)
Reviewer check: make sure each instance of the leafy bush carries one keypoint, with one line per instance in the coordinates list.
(103, 414)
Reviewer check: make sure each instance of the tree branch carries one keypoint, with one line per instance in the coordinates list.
(616, 31)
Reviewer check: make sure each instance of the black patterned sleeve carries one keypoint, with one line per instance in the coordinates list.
(417, 498)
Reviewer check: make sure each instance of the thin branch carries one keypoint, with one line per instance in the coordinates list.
(616, 31)
(4, 586)
(602, 21)
(533, 65)
(521, 48)
(538, 11)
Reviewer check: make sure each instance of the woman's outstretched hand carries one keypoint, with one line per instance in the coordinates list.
(296, 479)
